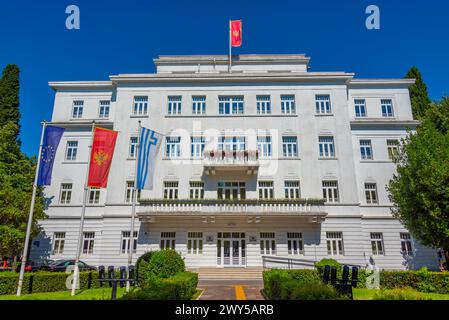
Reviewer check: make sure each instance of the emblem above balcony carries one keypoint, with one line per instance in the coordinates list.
(231, 160)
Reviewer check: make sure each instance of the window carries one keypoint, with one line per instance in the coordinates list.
(66, 193)
(327, 148)
(377, 243)
(132, 147)
(266, 190)
(230, 105)
(263, 104)
(94, 195)
(288, 104)
(360, 108)
(387, 107)
(140, 106)
(366, 151)
(231, 143)
(295, 244)
(198, 104)
(174, 104)
(393, 148)
(197, 147)
(292, 190)
(104, 109)
(58, 243)
(406, 244)
(334, 243)
(196, 190)
(371, 193)
(129, 191)
(88, 242)
(77, 109)
(267, 243)
(231, 190)
(323, 104)
(194, 243)
(170, 190)
(126, 242)
(71, 150)
(264, 146)
(330, 191)
(290, 146)
(173, 147)
(168, 240)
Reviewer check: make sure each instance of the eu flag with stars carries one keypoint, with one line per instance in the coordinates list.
(52, 136)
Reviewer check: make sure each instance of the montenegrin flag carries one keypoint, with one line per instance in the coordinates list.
(236, 33)
(101, 157)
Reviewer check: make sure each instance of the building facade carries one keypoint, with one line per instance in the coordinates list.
(263, 164)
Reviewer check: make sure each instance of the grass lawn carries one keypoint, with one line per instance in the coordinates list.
(91, 294)
(368, 294)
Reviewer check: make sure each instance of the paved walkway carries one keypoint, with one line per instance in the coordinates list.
(231, 290)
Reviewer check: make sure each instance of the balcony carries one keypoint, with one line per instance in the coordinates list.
(230, 160)
(313, 209)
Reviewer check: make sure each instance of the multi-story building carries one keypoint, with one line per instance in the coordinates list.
(267, 162)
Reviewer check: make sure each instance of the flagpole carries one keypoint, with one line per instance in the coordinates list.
(133, 214)
(230, 47)
(30, 215)
(83, 213)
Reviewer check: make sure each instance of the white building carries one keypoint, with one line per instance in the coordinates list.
(291, 138)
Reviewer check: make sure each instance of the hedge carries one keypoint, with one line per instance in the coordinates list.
(421, 280)
(280, 284)
(42, 281)
(142, 267)
(165, 263)
(181, 286)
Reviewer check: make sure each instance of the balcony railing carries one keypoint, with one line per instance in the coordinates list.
(296, 207)
(231, 160)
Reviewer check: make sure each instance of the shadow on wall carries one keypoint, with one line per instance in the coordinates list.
(422, 257)
(40, 247)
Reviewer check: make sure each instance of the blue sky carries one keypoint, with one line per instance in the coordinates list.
(124, 36)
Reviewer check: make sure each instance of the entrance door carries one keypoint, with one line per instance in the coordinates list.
(231, 249)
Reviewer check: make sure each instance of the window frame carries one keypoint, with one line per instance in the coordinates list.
(335, 243)
(330, 188)
(196, 190)
(140, 106)
(65, 193)
(167, 240)
(125, 242)
(173, 147)
(197, 145)
(170, 190)
(384, 105)
(77, 109)
(326, 147)
(292, 191)
(323, 104)
(293, 152)
(377, 243)
(288, 104)
(132, 150)
(104, 109)
(72, 149)
(236, 105)
(371, 195)
(96, 195)
(194, 245)
(265, 189)
(295, 244)
(90, 241)
(267, 243)
(360, 108)
(366, 149)
(265, 146)
(58, 243)
(263, 104)
(199, 104)
(407, 244)
(174, 105)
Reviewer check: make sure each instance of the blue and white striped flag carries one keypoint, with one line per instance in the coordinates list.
(150, 142)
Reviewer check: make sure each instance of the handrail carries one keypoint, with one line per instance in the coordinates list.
(290, 262)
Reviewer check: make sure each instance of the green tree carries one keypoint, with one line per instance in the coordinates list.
(9, 97)
(16, 171)
(418, 93)
(420, 188)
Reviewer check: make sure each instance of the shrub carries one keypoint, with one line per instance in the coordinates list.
(181, 286)
(399, 294)
(279, 284)
(327, 262)
(422, 280)
(44, 282)
(316, 291)
(165, 263)
(142, 267)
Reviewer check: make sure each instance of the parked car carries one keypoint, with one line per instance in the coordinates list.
(62, 265)
(35, 265)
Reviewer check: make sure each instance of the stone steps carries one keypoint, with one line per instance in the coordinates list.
(220, 274)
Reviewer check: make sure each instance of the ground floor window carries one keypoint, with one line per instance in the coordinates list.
(334, 243)
(295, 244)
(377, 243)
(168, 240)
(267, 243)
(126, 241)
(58, 242)
(195, 243)
(88, 242)
(406, 244)
(171, 190)
(196, 190)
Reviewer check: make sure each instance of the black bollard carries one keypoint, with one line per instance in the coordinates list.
(101, 275)
(345, 276)
(355, 276)
(131, 275)
(333, 275)
(114, 290)
(326, 274)
(111, 274)
(122, 276)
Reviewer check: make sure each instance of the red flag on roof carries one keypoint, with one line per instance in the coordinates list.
(236, 33)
